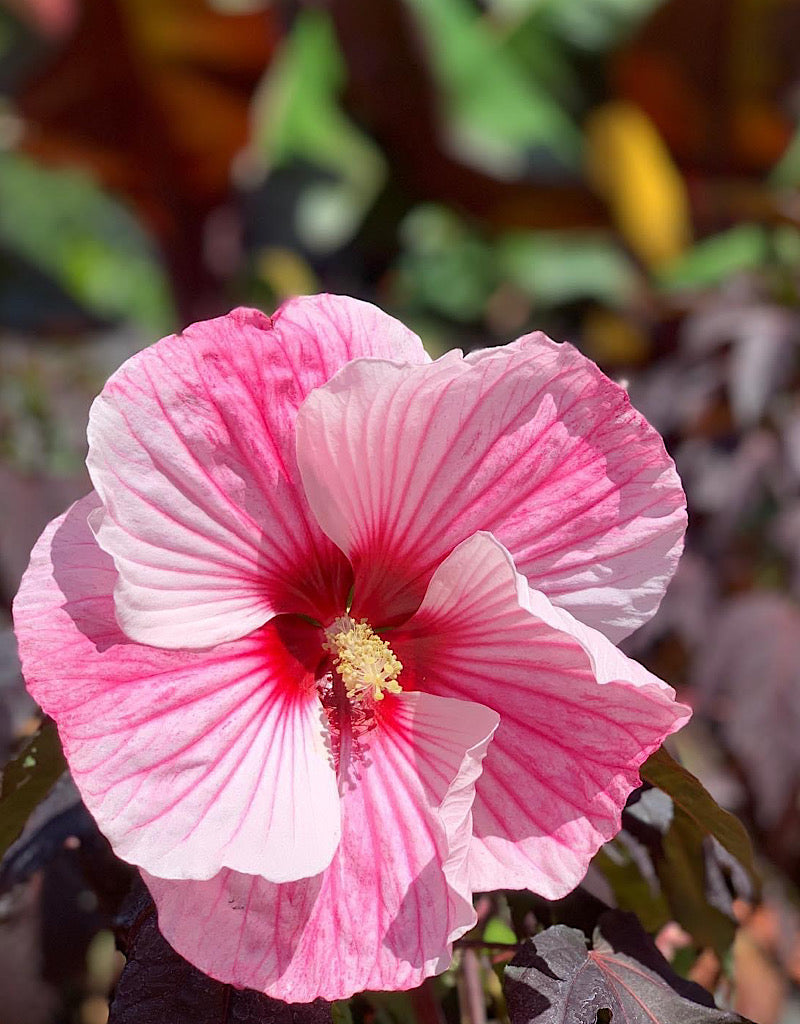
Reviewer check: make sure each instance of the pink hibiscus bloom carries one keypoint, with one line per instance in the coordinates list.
(329, 646)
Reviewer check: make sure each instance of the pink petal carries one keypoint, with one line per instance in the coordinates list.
(192, 450)
(530, 441)
(190, 761)
(577, 717)
(383, 915)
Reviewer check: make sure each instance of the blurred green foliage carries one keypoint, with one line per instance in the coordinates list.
(495, 109)
(64, 224)
(298, 116)
(536, 187)
(449, 266)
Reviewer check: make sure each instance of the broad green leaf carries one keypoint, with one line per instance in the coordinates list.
(696, 819)
(298, 116)
(545, 58)
(556, 267)
(510, 10)
(683, 877)
(693, 800)
(445, 266)
(393, 1008)
(495, 110)
(710, 262)
(66, 225)
(27, 780)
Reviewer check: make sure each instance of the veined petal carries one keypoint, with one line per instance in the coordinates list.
(192, 451)
(577, 717)
(190, 761)
(330, 330)
(384, 913)
(530, 441)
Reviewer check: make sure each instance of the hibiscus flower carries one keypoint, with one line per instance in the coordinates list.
(329, 646)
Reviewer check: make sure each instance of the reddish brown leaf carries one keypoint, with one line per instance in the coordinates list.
(153, 98)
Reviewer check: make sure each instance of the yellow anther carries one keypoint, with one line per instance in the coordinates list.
(368, 666)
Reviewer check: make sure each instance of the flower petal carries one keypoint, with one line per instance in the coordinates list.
(383, 915)
(190, 761)
(530, 441)
(192, 451)
(577, 717)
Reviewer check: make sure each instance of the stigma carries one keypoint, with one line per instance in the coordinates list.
(366, 664)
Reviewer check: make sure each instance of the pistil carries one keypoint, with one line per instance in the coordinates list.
(364, 669)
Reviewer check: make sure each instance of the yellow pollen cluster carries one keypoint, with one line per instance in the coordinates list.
(368, 666)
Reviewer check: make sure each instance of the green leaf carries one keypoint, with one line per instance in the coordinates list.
(496, 111)
(682, 875)
(707, 264)
(393, 1008)
(632, 890)
(341, 1013)
(555, 267)
(598, 25)
(445, 267)
(66, 225)
(786, 244)
(696, 820)
(693, 800)
(497, 931)
(27, 780)
(298, 117)
(545, 57)
(786, 173)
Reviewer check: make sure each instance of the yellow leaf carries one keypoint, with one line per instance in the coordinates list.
(631, 168)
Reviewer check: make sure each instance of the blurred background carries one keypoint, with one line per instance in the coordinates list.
(623, 174)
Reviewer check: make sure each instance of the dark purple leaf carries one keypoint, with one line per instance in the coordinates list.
(763, 349)
(555, 979)
(578, 909)
(673, 396)
(748, 681)
(158, 986)
(728, 486)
